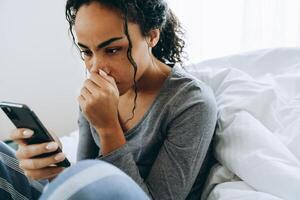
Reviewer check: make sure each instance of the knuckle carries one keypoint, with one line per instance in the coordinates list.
(27, 173)
(21, 164)
(98, 95)
(89, 103)
(87, 81)
(22, 152)
(33, 164)
(92, 76)
(82, 90)
(19, 153)
(25, 152)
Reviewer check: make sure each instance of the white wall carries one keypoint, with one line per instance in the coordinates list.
(38, 64)
(217, 28)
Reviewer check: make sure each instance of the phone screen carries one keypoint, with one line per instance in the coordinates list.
(23, 117)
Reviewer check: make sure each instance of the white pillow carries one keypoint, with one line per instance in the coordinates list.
(260, 62)
(70, 143)
(258, 98)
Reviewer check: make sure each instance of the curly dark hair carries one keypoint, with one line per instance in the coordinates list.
(149, 15)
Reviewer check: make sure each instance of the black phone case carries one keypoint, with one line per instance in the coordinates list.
(23, 117)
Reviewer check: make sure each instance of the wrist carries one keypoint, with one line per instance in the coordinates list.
(111, 138)
(108, 130)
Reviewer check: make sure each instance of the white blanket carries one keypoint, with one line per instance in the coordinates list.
(258, 135)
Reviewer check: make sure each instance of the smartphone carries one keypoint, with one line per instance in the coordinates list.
(23, 117)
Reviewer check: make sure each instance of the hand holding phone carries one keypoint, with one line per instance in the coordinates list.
(24, 118)
(35, 166)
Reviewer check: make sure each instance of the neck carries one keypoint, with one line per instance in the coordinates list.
(152, 78)
(154, 75)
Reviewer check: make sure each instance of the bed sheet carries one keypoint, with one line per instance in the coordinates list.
(258, 135)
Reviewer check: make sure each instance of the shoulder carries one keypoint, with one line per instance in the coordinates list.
(192, 106)
(184, 96)
(187, 90)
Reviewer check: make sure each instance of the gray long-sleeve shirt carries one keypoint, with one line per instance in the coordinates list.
(166, 151)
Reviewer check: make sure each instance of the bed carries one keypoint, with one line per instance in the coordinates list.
(257, 141)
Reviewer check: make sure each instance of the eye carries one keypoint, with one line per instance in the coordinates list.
(85, 54)
(112, 50)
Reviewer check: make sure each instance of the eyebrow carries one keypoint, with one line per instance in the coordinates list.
(103, 44)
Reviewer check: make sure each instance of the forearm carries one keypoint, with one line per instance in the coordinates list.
(124, 160)
(115, 150)
(111, 139)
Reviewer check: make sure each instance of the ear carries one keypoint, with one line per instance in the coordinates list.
(153, 37)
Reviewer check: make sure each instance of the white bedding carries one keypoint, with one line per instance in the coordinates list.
(258, 135)
(70, 143)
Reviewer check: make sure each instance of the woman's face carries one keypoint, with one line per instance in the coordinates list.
(102, 40)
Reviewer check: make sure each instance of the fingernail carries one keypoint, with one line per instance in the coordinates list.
(102, 73)
(60, 156)
(27, 133)
(52, 146)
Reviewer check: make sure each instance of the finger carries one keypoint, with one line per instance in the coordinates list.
(85, 93)
(91, 86)
(101, 81)
(108, 78)
(81, 102)
(21, 142)
(39, 163)
(44, 173)
(33, 150)
(56, 139)
(21, 133)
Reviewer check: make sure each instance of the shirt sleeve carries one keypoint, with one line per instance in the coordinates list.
(189, 134)
(87, 148)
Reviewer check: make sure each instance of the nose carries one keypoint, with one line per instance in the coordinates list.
(97, 64)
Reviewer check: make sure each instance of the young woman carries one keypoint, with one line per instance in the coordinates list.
(145, 122)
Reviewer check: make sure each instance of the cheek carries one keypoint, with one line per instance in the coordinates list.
(121, 70)
(125, 75)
